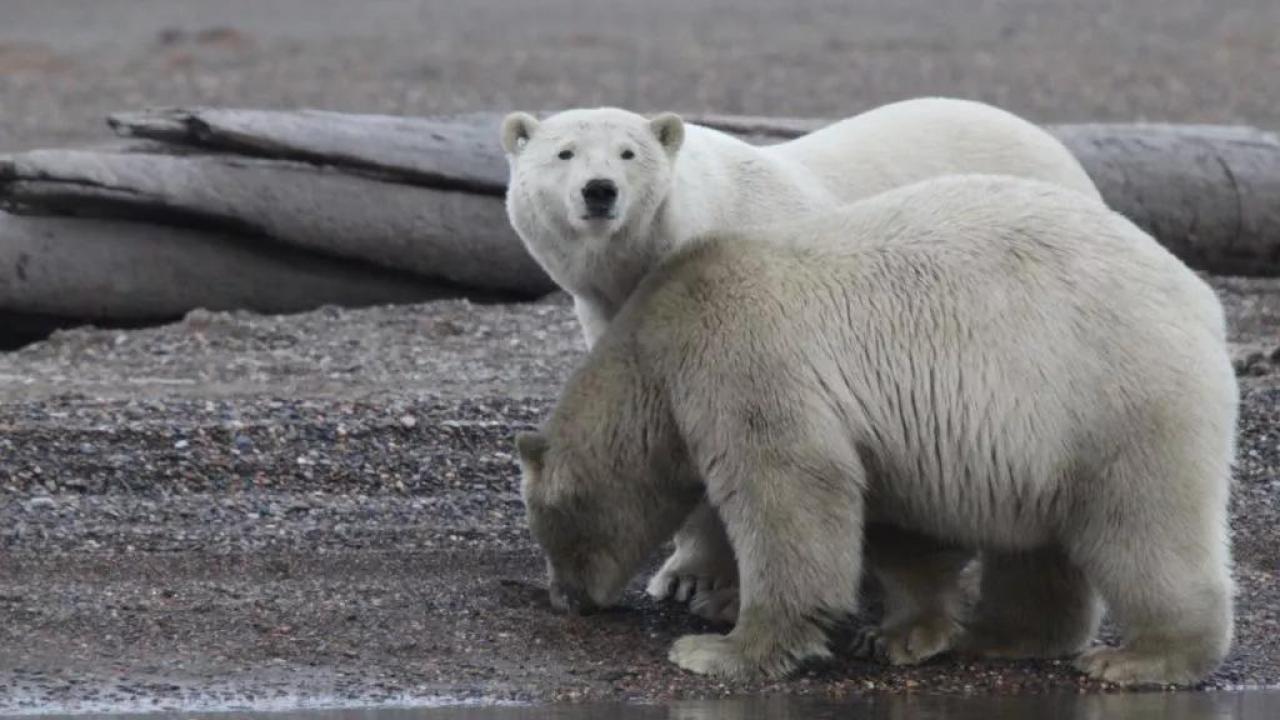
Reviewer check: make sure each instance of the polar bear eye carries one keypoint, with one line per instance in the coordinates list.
(627, 154)
(565, 154)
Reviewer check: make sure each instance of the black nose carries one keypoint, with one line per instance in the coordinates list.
(599, 194)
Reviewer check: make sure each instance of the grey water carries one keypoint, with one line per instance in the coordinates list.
(1243, 705)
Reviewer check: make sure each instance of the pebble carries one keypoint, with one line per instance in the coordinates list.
(41, 503)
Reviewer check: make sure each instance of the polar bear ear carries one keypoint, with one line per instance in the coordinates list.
(517, 128)
(669, 129)
(533, 448)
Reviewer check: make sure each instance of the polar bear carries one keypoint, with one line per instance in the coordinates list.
(601, 196)
(996, 364)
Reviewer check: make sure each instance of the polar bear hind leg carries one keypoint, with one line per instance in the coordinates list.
(1032, 604)
(1164, 572)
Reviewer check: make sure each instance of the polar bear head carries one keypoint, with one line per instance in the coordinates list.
(597, 522)
(589, 171)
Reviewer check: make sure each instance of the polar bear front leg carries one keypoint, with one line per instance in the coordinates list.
(798, 539)
(702, 570)
(593, 316)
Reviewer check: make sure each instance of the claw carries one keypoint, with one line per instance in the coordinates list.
(685, 589)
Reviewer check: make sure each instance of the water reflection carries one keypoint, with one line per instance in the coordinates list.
(1129, 706)
(1246, 705)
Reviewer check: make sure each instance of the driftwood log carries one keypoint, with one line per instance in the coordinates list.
(1211, 194)
(57, 271)
(278, 211)
(49, 266)
(447, 236)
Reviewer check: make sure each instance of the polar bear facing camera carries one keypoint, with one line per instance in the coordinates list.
(601, 196)
(993, 363)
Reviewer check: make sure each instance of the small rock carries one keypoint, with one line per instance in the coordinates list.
(41, 503)
(171, 36)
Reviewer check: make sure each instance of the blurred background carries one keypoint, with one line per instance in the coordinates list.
(65, 64)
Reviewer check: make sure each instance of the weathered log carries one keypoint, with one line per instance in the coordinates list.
(455, 151)
(120, 271)
(1210, 194)
(457, 237)
(284, 190)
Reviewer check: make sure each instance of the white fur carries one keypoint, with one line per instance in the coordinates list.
(701, 181)
(714, 182)
(990, 363)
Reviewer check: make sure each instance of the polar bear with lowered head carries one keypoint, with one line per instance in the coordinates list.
(996, 364)
(602, 196)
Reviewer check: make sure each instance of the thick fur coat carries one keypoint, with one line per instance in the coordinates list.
(981, 363)
(674, 181)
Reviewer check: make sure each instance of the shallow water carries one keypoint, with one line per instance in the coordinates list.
(1245, 705)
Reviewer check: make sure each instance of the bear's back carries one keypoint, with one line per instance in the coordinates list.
(959, 238)
(904, 142)
(1041, 291)
(722, 183)
(952, 322)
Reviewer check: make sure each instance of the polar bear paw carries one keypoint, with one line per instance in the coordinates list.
(1123, 666)
(718, 606)
(771, 656)
(709, 586)
(714, 655)
(908, 643)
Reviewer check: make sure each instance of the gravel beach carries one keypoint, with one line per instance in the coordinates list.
(326, 505)
(64, 65)
(246, 509)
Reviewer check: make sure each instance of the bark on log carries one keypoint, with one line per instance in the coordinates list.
(457, 237)
(252, 206)
(456, 151)
(1211, 194)
(129, 272)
